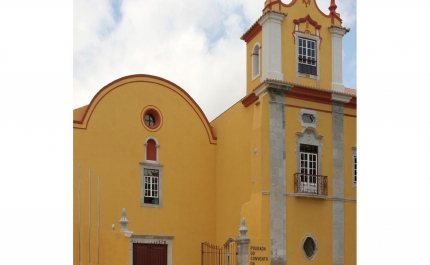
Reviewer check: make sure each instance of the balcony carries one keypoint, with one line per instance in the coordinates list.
(313, 185)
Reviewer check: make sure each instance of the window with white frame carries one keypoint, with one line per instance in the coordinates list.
(355, 169)
(309, 148)
(151, 177)
(151, 184)
(308, 167)
(354, 166)
(307, 56)
(256, 61)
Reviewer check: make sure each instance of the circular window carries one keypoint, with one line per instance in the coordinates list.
(151, 118)
(309, 247)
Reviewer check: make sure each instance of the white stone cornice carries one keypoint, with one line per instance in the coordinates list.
(338, 32)
(340, 98)
(259, 92)
(273, 87)
(273, 17)
(128, 233)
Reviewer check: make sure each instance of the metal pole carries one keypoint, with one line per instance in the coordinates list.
(98, 226)
(89, 217)
(79, 212)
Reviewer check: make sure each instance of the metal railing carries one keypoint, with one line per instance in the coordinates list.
(219, 255)
(310, 184)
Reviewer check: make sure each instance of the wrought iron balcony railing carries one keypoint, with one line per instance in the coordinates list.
(310, 184)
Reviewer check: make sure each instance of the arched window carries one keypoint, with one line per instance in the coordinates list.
(308, 178)
(256, 61)
(151, 150)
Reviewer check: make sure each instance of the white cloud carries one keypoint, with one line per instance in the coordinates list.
(194, 44)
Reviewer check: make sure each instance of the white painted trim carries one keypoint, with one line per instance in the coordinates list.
(158, 167)
(340, 98)
(257, 44)
(307, 195)
(336, 58)
(152, 239)
(271, 46)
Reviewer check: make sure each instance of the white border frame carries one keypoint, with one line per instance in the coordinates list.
(158, 167)
(298, 35)
(309, 112)
(259, 61)
(309, 136)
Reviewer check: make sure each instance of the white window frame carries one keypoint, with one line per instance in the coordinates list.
(256, 61)
(309, 136)
(298, 35)
(309, 183)
(308, 58)
(151, 166)
(354, 167)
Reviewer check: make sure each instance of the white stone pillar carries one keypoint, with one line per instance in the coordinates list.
(271, 46)
(242, 243)
(336, 57)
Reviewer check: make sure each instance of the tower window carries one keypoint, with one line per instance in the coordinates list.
(307, 56)
(256, 61)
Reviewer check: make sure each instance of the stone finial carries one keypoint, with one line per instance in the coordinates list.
(242, 229)
(123, 221)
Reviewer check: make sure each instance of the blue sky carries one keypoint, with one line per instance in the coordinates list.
(189, 42)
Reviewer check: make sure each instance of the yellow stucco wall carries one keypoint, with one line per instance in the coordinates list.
(112, 146)
(350, 141)
(350, 233)
(242, 166)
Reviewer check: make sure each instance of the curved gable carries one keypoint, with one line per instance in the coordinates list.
(83, 122)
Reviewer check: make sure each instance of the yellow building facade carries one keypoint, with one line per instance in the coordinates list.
(283, 157)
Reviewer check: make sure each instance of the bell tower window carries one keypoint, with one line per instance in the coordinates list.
(255, 61)
(307, 56)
